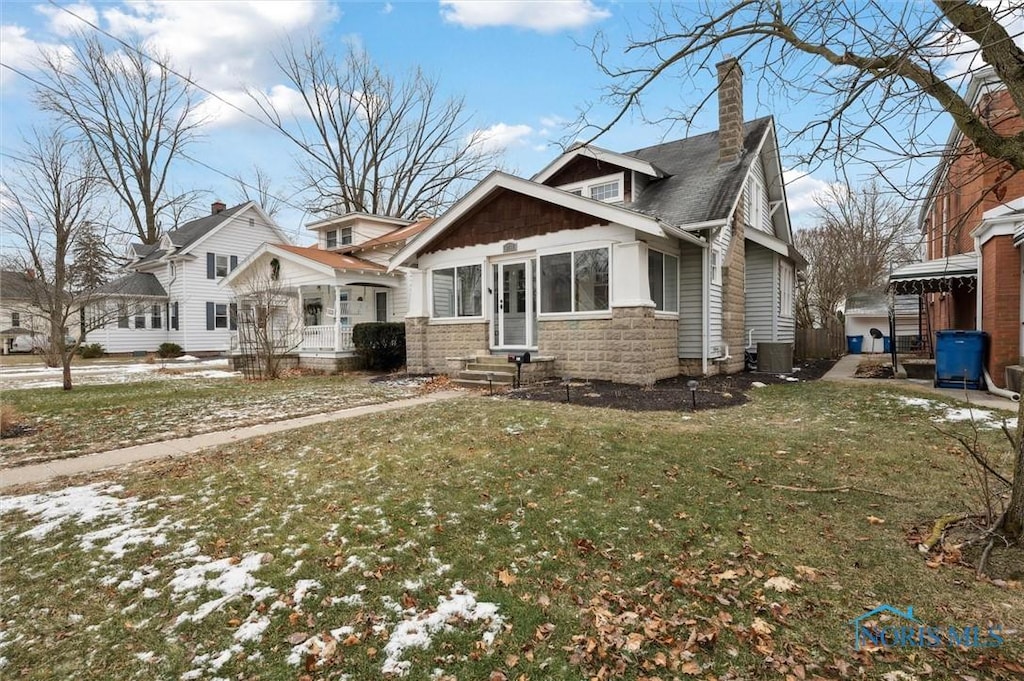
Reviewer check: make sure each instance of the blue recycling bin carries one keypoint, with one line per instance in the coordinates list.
(960, 359)
(887, 344)
(854, 344)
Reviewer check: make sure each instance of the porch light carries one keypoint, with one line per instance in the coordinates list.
(692, 385)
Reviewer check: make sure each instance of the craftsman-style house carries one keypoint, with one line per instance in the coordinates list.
(631, 266)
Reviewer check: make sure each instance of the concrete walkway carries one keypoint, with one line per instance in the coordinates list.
(114, 458)
(846, 367)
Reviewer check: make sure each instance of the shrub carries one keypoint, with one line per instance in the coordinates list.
(169, 351)
(12, 423)
(380, 344)
(91, 351)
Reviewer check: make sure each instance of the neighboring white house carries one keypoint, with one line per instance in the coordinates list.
(23, 325)
(176, 283)
(328, 288)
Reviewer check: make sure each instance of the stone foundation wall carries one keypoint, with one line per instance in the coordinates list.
(331, 365)
(427, 346)
(631, 347)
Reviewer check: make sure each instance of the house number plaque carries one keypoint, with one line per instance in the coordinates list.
(510, 247)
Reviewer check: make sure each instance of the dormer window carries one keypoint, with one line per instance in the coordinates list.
(332, 238)
(346, 236)
(608, 188)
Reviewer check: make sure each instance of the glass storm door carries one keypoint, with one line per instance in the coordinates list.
(513, 303)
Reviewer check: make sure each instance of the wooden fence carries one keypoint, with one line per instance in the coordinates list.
(818, 343)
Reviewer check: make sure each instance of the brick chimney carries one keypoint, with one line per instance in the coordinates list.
(217, 207)
(730, 110)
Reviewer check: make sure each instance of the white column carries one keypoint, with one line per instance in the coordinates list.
(417, 283)
(630, 287)
(337, 318)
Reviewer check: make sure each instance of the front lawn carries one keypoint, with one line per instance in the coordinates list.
(94, 418)
(487, 538)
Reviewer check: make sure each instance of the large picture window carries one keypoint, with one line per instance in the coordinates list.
(457, 292)
(663, 277)
(574, 282)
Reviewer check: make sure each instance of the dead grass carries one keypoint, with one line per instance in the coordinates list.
(611, 544)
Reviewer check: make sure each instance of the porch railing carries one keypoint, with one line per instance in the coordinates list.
(327, 337)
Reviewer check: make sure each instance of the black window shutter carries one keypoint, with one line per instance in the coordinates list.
(233, 314)
(234, 262)
(209, 317)
(211, 266)
(176, 322)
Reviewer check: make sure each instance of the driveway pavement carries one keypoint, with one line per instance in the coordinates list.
(116, 458)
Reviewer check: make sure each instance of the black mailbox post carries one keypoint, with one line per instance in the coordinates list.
(519, 360)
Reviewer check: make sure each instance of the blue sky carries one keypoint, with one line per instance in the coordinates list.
(520, 67)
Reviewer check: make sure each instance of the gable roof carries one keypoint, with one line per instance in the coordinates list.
(16, 285)
(627, 161)
(339, 261)
(190, 234)
(402, 234)
(698, 189)
(142, 284)
(498, 180)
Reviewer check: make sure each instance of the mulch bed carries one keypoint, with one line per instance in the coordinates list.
(713, 392)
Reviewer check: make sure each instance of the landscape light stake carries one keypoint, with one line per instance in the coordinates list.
(490, 382)
(565, 381)
(692, 385)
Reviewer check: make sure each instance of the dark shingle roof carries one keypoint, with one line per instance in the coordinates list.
(15, 285)
(698, 188)
(134, 284)
(187, 234)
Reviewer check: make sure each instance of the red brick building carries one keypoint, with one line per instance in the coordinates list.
(973, 227)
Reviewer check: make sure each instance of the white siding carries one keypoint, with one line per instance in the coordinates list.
(235, 238)
(761, 301)
(757, 173)
(690, 313)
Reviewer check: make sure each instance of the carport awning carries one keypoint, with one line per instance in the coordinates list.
(933, 276)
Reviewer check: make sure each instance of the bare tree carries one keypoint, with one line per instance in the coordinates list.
(269, 321)
(258, 187)
(52, 192)
(134, 114)
(858, 238)
(876, 75)
(370, 143)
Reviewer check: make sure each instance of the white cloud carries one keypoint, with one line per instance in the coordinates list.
(501, 136)
(19, 52)
(64, 22)
(388, 8)
(801, 190)
(231, 106)
(542, 15)
(223, 44)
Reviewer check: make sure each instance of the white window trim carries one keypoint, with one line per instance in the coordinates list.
(715, 266)
(585, 186)
(572, 289)
(786, 293)
(327, 238)
(755, 199)
(216, 266)
(457, 318)
(674, 313)
(345, 236)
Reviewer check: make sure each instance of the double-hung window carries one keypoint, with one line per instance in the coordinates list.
(457, 291)
(332, 238)
(346, 236)
(140, 318)
(576, 281)
(663, 277)
(220, 316)
(785, 289)
(156, 314)
(222, 266)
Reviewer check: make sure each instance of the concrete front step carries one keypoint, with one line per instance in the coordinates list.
(472, 374)
(505, 368)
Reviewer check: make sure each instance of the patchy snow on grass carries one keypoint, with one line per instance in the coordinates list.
(419, 628)
(231, 577)
(88, 504)
(984, 418)
(187, 366)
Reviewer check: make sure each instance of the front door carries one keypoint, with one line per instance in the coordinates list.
(513, 304)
